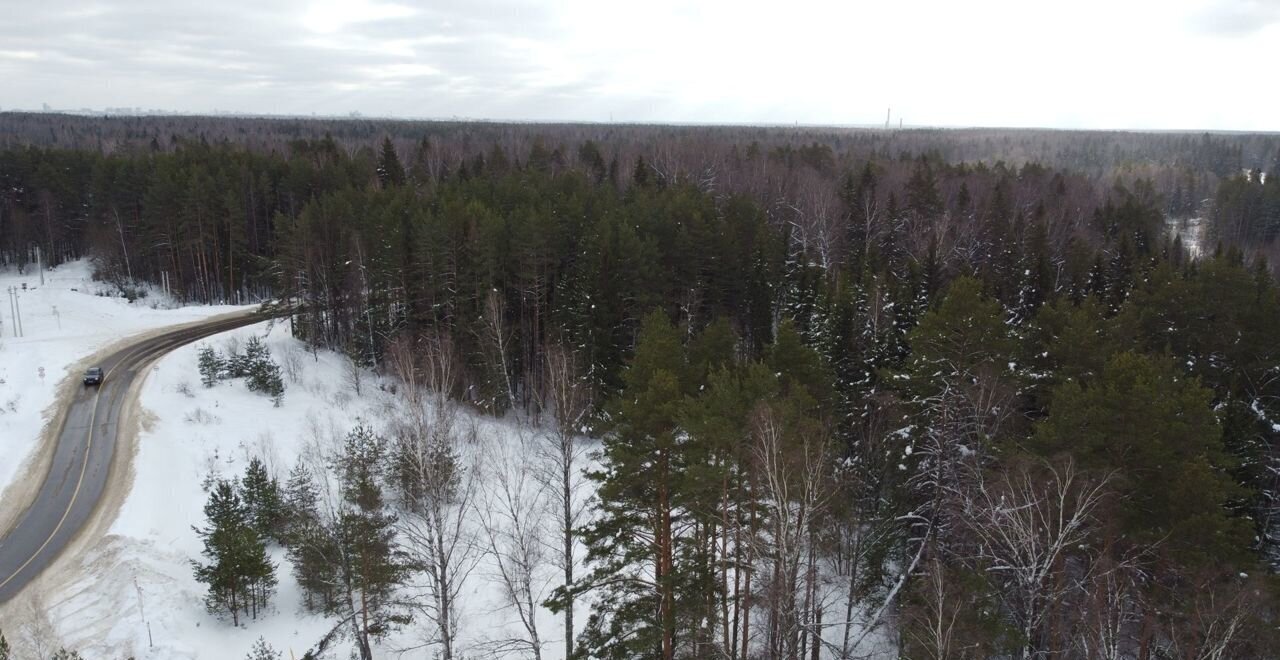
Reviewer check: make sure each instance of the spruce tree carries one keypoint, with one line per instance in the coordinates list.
(255, 352)
(390, 171)
(211, 366)
(311, 545)
(264, 375)
(236, 364)
(965, 338)
(265, 378)
(4, 647)
(262, 651)
(260, 494)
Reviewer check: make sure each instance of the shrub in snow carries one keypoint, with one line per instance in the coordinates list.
(255, 364)
(201, 416)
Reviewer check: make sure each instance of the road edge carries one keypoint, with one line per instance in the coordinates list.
(65, 568)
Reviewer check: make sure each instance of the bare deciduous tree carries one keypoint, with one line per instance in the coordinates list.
(1109, 611)
(1023, 524)
(496, 336)
(793, 461)
(435, 469)
(567, 398)
(510, 509)
(934, 625)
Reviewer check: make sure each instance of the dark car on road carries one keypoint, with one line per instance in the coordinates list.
(93, 376)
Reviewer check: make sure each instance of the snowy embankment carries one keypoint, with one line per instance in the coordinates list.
(137, 595)
(64, 321)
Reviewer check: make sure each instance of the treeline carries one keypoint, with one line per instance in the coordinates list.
(65, 174)
(995, 410)
(1099, 154)
(1247, 208)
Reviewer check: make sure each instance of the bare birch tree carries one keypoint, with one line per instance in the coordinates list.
(496, 336)
(561, 459)
(793, 460)
(1023, 524)
(435, 471)
(510, 509)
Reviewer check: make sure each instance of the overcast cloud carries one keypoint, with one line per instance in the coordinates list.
(1090, 63)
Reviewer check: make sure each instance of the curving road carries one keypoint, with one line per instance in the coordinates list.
(82, 459)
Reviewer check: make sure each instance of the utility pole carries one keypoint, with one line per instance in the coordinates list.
(15, 311)
(40, 265)
(22, 332)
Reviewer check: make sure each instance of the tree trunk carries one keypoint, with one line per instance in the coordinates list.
(666, 607)
(566, 476)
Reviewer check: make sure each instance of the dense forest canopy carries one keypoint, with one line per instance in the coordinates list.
(974, 373)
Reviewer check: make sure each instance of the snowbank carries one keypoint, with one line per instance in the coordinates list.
(138, 596)
(64, 321)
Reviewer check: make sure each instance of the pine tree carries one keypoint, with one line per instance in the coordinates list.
(211, 366)
(1157, 428)
(240, 577)
(263, 504)
(4, 647)
(642, 510)
(369, 564)
(966, 336)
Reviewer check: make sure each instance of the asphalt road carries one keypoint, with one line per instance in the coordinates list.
(82, 459)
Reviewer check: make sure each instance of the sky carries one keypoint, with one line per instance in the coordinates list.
(1172, 64)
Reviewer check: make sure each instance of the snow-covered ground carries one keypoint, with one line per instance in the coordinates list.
(138, 597)
(1192, 231)
(63, 321)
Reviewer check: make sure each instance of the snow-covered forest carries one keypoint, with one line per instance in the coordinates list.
(648, 392)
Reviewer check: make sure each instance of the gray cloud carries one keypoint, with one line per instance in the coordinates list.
(233, 49)
(811, 61)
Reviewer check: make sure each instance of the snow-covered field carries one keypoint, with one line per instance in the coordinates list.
(63, 322)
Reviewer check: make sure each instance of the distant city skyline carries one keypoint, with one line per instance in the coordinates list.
(1176, 65)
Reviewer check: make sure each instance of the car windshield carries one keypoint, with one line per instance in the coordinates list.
(94, 371)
